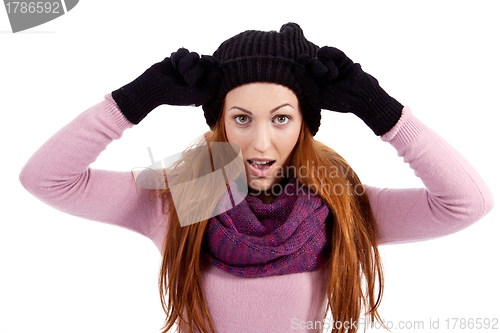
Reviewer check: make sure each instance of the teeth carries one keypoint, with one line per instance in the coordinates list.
(260, 162)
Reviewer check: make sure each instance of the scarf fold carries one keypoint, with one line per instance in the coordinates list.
(290, 235)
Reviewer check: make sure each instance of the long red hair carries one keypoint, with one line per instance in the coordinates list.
(355, 272)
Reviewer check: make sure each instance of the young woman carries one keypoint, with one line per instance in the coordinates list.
(305, 239)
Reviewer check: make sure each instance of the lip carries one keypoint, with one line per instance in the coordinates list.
(258, 173)
(260, 159)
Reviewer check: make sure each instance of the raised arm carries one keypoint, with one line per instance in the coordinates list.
(59, 173)
(454, 197)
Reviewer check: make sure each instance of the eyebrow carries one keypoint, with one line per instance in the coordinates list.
(271, 112)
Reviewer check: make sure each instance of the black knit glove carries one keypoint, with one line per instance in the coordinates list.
(333, 82)
(184, 78)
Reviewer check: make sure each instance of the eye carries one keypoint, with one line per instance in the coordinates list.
(282, 119)
(241, 119)
(279, 119)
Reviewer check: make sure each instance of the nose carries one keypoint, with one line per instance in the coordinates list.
(262, 138)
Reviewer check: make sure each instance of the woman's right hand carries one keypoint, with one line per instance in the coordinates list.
(184, 78)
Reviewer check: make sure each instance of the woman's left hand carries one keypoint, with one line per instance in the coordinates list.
(334, 82)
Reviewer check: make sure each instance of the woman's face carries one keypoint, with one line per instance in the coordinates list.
(264, 120)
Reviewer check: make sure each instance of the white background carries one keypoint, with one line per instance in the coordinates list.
(60, 273)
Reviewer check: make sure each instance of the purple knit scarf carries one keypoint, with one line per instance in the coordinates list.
(289, 235)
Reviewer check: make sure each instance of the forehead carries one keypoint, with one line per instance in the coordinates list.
(261, 95)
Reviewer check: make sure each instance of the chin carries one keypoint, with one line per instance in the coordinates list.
(261, 185)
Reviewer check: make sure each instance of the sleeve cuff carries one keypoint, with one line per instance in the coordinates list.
(406, 129)
(115, 113)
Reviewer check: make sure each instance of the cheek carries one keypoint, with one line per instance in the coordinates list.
(234, 136)
(288, 140)
(229, 131)
(286, 148)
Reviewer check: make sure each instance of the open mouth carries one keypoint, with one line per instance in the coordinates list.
(261, 165)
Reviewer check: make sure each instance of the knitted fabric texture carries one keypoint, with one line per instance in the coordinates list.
(263, 56)
(289, 235)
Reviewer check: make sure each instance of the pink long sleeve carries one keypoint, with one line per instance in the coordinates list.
(455, 197)
(59, 174)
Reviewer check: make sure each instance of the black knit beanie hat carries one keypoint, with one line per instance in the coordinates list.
(263, 56)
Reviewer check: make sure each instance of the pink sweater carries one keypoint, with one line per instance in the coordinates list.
(455, 197)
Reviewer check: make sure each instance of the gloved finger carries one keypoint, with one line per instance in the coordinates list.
(339, 58)
(175, 57)
(332, 72)
(187, 62)
(332, 58)
(192, 75)
(327, 52)
(205, 65)
(317, 68)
